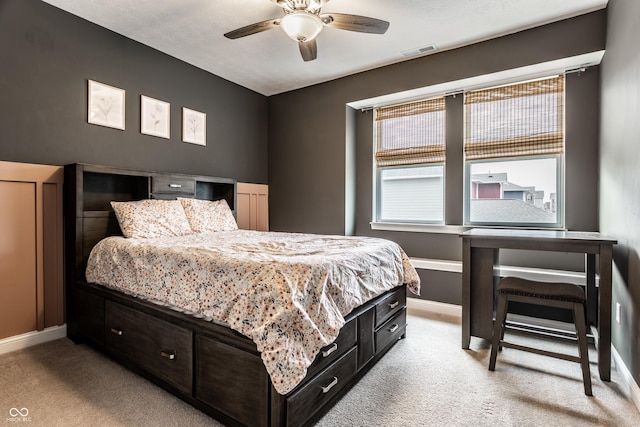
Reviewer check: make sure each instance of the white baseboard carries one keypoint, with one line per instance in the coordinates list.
(437, 264)
(542, 274)
(18, 342)
(629, 383)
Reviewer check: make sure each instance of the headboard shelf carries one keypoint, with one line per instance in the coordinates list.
(100, 188)
(90, 189)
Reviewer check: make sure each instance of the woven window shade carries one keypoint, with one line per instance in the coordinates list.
(410, 134)
(525, 119)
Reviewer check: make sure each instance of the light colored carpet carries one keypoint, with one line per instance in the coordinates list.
(425, 380)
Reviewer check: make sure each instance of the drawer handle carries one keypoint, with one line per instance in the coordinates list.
(175, 185)
(328, 351)
(330, 386)
(393, 304)
(393, 328)
(116, 331)
(168, 354)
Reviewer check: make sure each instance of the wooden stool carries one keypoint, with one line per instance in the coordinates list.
(563, 295)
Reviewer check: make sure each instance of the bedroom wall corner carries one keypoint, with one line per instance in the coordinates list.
(350, 172)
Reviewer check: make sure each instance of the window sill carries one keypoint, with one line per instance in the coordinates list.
(419, 228)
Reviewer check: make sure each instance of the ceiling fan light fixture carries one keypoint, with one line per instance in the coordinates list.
(301, 26)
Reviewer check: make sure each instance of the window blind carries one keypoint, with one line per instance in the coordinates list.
(524, 119)
(410, 134)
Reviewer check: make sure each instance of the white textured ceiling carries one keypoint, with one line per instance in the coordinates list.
(270, 62)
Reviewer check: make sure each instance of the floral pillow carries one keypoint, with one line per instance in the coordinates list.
(207, 216)
(151, 218)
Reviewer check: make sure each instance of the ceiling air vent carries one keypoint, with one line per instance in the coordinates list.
(419, 50)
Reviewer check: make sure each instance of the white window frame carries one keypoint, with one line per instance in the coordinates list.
(560, 199)
(377, 200)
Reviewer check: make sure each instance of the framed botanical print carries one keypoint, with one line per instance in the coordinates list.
(194, 126)
(154, 117)
(105, 105)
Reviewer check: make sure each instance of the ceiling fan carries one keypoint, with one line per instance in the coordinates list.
(302, 22)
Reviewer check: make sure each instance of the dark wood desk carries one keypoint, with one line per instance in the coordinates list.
(480, 254)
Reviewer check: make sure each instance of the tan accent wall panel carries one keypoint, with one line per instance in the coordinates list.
(243, 210)
(17, 258)
(52, 254)
(31, 248)
(253, 206)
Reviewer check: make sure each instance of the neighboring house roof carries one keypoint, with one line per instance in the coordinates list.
(509, 186)
(508, 210)
(487, 178)
(490, 178)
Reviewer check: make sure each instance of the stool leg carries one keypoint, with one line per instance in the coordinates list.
(498, 329)
(578, 316)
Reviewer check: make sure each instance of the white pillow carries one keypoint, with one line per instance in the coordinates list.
(207, 216)
(151, 218)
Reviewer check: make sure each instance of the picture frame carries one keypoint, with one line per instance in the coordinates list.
(155, 117)
(105, 105)
(194, 126)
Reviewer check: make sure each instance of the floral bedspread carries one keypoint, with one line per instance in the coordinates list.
(288, 292)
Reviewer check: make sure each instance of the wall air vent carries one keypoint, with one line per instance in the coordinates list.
(419, 50)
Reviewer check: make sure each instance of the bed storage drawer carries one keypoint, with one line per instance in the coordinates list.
(156, 346)
(302, 404)
(239, 389)
(163, 185)
(332, 352)
(391, 330)
(390, 305)
(90, 317)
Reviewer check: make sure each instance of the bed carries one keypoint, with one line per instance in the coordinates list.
(253, 328)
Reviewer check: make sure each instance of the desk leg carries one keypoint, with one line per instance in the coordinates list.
(477, 292)
(466, 293)
(604, 315)
(482, 295)
(592, 291)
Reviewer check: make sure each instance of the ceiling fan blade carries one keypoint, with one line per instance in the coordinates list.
(309, 50)
(361, 24)
(258, 27)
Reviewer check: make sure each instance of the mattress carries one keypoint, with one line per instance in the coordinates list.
(288, 292)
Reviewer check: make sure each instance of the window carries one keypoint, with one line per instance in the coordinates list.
(513, 140)
(515, 192)
(514, 146)
(409, 156)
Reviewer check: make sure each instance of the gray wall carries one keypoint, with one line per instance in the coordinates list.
(620, 171)
(46, 57)
(308, 183)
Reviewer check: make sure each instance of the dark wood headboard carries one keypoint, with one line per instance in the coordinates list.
(89, 189)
